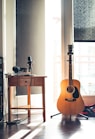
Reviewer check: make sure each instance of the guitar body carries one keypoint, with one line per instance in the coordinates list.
(70, 101)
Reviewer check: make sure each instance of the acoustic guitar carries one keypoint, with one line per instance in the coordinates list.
(70, 101)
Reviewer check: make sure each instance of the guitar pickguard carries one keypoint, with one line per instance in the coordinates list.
(76, 93)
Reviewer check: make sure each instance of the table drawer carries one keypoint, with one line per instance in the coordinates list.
(24, 82)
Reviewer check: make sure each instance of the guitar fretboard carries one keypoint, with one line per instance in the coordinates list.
(70, 74)
(70, 65)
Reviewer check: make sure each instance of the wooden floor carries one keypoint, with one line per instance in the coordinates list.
(55, 127)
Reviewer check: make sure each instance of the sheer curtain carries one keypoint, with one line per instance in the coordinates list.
(58, 23)
(53, 50)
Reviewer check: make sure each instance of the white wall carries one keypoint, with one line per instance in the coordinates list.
(8, 34)
(8, 41)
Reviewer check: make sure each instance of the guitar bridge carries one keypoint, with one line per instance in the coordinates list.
(70, 100)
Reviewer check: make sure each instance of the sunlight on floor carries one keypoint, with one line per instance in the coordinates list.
(20, 134)
(34, 133)
(28, 133)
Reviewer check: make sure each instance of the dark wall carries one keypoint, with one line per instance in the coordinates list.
(30, 34)
(30, 27)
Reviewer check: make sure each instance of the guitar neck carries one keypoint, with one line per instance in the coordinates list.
(70, 70)
(70, 75)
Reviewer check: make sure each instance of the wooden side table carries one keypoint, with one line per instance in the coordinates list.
(28, 81)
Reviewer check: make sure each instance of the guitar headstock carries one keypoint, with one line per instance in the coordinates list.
(70, 47)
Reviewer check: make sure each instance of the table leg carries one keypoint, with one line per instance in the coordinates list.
(43, 101)
(29, 100)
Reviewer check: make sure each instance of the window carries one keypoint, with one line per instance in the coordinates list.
(84, 20)
(84, 66)
(84, 45)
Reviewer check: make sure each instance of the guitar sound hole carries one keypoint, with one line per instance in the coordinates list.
(70, 89)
